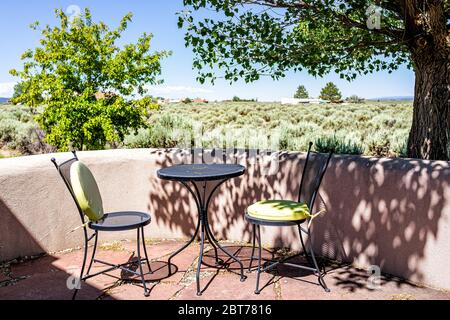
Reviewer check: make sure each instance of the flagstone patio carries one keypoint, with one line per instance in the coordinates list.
(46, 278)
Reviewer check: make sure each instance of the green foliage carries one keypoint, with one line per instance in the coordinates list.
(17, 129)
(90, 125)
(162, 134)
(351, 128)
(77, 60)
(331, 93)
(271, 37)
(237, 99)
(355, 99)
(187, 100)
(24, 89)
(337, 145)
(301, 93)
(374, 128)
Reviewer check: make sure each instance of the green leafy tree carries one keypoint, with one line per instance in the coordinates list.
(84, 77)
(355, 99)
(267, 37)
(22, 89)
(301, 93)
(331, 93)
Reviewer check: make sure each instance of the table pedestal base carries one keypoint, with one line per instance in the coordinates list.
(203, 228)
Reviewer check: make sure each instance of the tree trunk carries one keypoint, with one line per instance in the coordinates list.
(429, 45)
(430, 131)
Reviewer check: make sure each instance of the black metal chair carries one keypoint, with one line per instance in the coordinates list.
(290, 213)
(112, 222)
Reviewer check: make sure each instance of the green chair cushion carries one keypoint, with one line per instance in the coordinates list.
(86, 191)
(279, 210)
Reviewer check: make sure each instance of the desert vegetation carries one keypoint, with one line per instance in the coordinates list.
(19, 133)
(372, 128)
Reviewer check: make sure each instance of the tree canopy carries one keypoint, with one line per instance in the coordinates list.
(331, 93)
(265, 37)
(85, 80)
(301, 93)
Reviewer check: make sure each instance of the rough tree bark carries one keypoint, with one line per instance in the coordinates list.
(430, 129)
(430, 53)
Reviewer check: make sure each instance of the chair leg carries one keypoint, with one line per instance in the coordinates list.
(253, 248)
(305, 253)
(86, 244)
(94, 250)
(145, 251)
(258, 276)
(319, 274)
(146, 291)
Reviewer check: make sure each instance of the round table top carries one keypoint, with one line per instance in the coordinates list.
(201, 172)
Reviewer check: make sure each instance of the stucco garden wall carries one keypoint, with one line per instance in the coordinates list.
(394, 213)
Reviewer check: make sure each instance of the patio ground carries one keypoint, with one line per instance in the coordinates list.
(46, 278)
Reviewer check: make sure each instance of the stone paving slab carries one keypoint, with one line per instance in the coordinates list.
(45, 278)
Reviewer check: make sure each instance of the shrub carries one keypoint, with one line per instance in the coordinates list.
(166, 131)
(19, 136)
(337, 145)
(19, 132)
(355, 99)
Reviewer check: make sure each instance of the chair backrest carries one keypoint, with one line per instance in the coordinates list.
(316, 164)
(64, 171)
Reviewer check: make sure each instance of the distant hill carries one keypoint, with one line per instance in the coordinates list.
(4, 100)
(394, 98)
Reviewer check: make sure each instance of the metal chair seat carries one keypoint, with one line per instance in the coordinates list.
(121, 221)
(278, 212)
(277, 223)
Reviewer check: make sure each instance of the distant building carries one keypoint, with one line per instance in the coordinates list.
(201, 101)
(302, 101)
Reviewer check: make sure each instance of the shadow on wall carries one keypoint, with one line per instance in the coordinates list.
(12, 231)
(172, 205)
(383, 212)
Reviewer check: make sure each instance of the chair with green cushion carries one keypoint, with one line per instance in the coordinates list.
(84, 191)
(292, 213)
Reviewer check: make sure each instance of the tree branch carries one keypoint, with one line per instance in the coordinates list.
(346, 20)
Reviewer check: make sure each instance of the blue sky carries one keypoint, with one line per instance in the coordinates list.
(159, 17)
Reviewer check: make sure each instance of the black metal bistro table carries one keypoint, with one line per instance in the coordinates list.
(195, 178)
